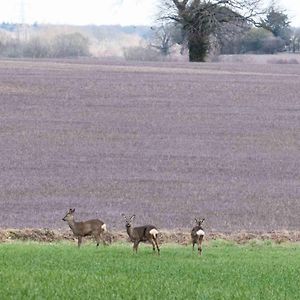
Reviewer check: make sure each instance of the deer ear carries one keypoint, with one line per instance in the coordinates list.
(123, 215)
(132, 217)
(196, 220)
(202, 220)
(73, 210)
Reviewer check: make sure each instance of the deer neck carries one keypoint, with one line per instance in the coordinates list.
(130, 231)
(72, 224)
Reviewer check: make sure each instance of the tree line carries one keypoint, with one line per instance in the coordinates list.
(61, 45)
(197, 27)
(233, 26)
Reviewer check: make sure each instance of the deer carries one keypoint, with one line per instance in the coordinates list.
(141, 234)
(198, 234)
(94, 227)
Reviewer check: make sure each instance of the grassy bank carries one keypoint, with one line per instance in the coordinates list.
(225, 271)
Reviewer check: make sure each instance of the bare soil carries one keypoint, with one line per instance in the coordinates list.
(165, 141)
(179, 237)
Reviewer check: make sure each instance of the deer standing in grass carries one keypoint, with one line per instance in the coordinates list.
(94, 227)
(141, 234)
(198, 234)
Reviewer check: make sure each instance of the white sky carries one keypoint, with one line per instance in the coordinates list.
(81, 12)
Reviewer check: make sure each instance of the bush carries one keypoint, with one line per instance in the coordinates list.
(65, 45)
(260, 40)
(142, 54)
(254, 39)
(68, 45)
(37, 48)
(272, 45)
(283, 61)
(11, 48)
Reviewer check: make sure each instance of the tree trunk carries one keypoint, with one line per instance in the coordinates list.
(198, 47)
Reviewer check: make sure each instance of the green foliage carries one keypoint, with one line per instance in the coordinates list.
(200, 20)
(225, 271)
(278, 23)
(260, 40)
(253, 39)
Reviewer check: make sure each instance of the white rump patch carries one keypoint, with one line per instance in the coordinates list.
(153, 231)
(104, 227)
(200, 232)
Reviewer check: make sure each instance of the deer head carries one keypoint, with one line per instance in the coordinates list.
(199, 221)
(128, 221)
(141, 233)
(69, 215)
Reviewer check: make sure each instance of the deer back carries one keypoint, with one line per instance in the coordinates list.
(197, 230)
(143, 233)
(89, 227)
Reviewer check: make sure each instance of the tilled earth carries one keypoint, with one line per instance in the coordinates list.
(180, 237)
(165, 141)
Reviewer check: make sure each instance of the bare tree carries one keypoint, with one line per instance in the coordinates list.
(165, 36)
(278, 22)
(201, 19)
(295, 40)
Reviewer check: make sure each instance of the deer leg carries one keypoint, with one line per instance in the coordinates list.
(135, 246)
(199, 249)
(103, 240)
(153, 244)
(97, 237)
(200, 245)
(103, 235)
(79, 241)
(194, 245)
(158, 250)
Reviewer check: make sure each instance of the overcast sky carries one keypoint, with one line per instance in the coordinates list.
(123, 12)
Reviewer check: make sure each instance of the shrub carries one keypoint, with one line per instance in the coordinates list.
(64, 45)
(254, 39)
(11, 48)
(37, 48)
(68, 45)
(283, 61)
(272, 45)
(142, 54)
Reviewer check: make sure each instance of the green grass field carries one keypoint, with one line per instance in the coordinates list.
(225, 271)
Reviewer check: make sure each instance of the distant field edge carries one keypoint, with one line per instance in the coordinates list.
(166, 236)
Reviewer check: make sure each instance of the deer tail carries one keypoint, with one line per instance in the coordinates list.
(104, 227)
(154, 232)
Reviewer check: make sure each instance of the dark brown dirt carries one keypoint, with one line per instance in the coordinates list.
(168, 142)
(179, 237)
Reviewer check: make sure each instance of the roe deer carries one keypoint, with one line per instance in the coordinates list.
(93, 227)
(141, 234)
(197, 235)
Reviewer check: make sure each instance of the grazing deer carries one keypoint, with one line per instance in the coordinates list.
(197, 235)
(80, 229)
(141, 234)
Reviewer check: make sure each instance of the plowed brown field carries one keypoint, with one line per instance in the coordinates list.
(167, 142)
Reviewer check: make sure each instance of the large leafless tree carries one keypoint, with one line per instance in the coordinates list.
(201, 19)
